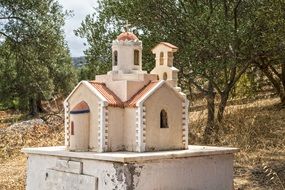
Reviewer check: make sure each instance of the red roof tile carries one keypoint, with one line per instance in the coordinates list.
(127, 36)
(169, 45)
(111, 98)
(132, 101)
(115, 101)
(173, 47)
(81, 106)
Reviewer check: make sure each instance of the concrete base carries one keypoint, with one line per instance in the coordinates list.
(199, 168)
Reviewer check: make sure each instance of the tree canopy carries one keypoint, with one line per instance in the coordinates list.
(35, 63)
(218, 40)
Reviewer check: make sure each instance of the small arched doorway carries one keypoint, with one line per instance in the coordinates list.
(79, 127)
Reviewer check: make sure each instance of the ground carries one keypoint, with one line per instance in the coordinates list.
(257, 128)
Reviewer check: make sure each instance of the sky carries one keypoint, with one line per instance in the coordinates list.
(80, 8)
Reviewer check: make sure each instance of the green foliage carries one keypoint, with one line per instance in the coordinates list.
(210, 36)
(218, 41)
(35, 63)
(244, 87)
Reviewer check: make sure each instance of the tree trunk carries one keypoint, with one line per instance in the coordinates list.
(210, 127)
(283, 83)
(283, 75)
(222, 105)
(33, 107)
(282, 99)
(275, 82)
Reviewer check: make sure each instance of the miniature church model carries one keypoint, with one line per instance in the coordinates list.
(128, 109)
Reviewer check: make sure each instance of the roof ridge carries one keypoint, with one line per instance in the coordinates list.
(111, 97)
(130, 103)
(96, 82)
(114, 100)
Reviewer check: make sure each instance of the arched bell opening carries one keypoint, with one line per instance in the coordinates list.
(164, 76)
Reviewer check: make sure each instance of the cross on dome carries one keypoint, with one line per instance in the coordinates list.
(127, 34)
(126, 26)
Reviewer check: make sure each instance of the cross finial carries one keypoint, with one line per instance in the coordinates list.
(126, 26)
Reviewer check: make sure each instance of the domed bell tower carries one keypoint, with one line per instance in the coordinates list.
(127, 53)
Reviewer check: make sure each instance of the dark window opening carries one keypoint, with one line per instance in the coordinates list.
(164, 76)
(163, 119)
(136, 57)
(115, 58)
(161, 58)
(72, 128)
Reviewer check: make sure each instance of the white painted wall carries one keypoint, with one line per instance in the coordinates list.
(115, 129)
(82, 93)
(130, 129)
(200, 172)
(164, 138)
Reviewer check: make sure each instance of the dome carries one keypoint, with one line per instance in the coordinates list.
(127, 36)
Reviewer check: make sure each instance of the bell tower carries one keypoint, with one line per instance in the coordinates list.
(127, 53)
(164, 63)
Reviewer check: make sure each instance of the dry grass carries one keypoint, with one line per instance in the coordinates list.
(257, 128)
(13, 162)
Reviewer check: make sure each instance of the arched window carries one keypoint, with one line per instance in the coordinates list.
(72, 128)
(163, 119)
(161, 58)
(164, 76)
(136, 57)
(115, 58)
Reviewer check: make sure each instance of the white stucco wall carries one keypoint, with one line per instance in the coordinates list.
(115, 129)
(164, 138)
(82, 93)
(130, 129)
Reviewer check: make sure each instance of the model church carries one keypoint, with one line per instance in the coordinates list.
(128, 109)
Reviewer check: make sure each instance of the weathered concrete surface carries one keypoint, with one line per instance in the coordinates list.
(58, 180)
(201, 168)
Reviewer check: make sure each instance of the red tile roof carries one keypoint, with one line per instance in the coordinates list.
(111, 98)
(169, 45)
(81, 106)
(173, 47)
(115, 101)
(132, 101)
(127, 36)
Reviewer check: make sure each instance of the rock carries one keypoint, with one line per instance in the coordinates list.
(24, 125)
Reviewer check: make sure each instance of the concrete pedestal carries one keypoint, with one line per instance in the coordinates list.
(198, 168)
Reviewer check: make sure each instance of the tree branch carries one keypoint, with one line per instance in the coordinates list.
(8, 37)
(275, 71)
(198, 86)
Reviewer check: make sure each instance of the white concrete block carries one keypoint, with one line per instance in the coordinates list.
(68, 166)
(57, 180)
(199, 168)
